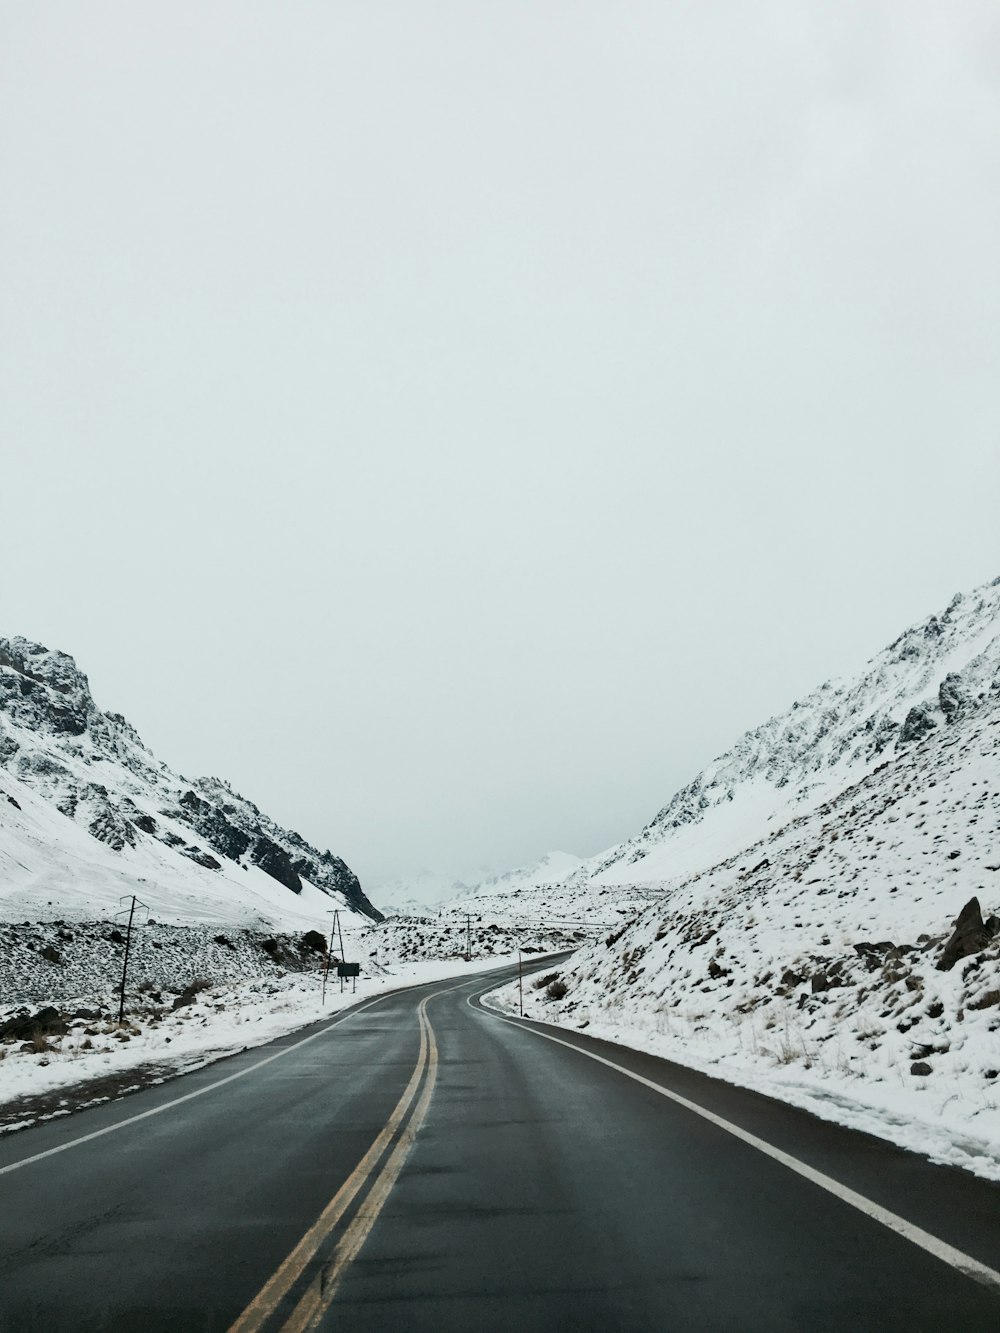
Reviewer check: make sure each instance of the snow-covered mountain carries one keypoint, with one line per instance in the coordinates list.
(928, 676)
(89, 812)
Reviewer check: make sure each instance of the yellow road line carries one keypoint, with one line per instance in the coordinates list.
(320, 1293)
(290, 1270)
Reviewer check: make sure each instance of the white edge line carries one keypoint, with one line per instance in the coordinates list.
(964, 1263)
(190, 1096)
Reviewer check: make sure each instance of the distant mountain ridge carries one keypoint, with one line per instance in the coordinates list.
(93, 767)
(553, 868)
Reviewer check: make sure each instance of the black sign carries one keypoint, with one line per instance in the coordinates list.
(348, 969)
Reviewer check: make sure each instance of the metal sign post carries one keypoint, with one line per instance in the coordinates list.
(352, 970)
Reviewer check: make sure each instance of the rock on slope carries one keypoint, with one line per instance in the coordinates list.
(92, 768)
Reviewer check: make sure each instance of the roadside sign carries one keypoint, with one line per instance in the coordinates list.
(348, 969)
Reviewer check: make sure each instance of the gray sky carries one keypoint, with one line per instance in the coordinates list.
(455, 422)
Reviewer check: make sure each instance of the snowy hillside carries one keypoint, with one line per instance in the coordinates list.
(88, 814)
(813, 962)
(792, 763)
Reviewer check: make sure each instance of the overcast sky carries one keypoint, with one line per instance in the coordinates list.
(454, 423)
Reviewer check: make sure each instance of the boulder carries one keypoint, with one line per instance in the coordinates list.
(970, 936)
(873, 954)
(190, 993)
(45, 1022)
(201, 858)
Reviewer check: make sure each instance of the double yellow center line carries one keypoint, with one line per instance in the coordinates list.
(315, 1300)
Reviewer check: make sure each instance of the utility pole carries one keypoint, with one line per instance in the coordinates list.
(468, 936)
(128, 946)
(329, 951)
(520, 983)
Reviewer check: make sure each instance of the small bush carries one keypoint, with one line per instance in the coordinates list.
(542, 982)
(556, 990)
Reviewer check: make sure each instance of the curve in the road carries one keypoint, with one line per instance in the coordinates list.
(418, 1167)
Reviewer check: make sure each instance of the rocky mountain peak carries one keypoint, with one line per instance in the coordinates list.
(42, 689)
(93, 768)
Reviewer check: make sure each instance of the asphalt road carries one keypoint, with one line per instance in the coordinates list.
(418, 1163)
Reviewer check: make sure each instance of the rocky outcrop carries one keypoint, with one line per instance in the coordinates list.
(971, 935)
(43, 690)
(954, 695)
(917, 723)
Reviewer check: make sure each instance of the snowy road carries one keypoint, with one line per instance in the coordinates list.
(419, 1163)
